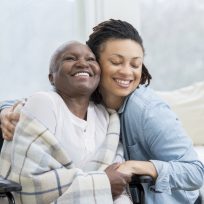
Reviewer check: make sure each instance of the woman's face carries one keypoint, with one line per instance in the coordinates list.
(78, 73)
(121, 67)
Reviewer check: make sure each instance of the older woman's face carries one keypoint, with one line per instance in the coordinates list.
(121, 67)
(78, 72)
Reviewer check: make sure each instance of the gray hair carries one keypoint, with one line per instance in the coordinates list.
(54, 62)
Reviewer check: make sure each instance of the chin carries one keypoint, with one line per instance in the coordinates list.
(123, 93)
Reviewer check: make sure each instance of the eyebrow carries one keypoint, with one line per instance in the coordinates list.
(121, 56)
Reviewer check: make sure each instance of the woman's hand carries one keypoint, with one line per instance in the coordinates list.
(9, 118)
(118, 180)
(138, 167)
(127, 168)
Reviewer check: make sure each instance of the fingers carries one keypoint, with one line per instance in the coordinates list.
(7, 130)
(16, 104)
(113, 167)
(127, 178)
(118, 187)
(13, 117)
(8, 123)
(7, 136)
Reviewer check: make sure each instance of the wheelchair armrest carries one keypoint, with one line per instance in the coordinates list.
(8, 186)
(138, 179)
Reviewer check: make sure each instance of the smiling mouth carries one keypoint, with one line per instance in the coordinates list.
(82, 74)
(123, 83)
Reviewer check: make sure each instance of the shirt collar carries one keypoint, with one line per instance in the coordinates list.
(121, 109)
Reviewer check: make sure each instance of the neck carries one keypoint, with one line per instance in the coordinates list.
(111, 101)
(77, 105)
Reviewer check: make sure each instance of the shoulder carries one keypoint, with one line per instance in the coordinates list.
(145, 98)
(43, 106)
(42, 101)
(42, 95)
(43, 98)
(145, 95)
(145, 105)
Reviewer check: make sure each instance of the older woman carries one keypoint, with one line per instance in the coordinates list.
(64, 144)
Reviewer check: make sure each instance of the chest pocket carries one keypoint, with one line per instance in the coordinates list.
(136, 152)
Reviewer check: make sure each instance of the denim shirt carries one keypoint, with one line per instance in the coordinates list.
(6, 104)
(153, 133)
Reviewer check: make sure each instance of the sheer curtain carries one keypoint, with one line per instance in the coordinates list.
(173, 37)
(172, 32)
(30, 31)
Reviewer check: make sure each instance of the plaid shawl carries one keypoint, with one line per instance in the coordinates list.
(47, 174)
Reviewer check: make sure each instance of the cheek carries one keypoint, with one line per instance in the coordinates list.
(138, 73)
(106, 71)
(105, 77)
(98, 70)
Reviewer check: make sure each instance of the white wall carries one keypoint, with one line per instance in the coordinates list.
(172, 32)
(97, 11)
(30, 31)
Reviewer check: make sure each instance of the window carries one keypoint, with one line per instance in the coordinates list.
(173, 38)
(30, 32)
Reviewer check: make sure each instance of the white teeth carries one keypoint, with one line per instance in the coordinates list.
(123, 82)
(81, 74)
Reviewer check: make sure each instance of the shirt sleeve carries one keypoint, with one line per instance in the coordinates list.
(172, 151)
(7, 104)
(41, 106)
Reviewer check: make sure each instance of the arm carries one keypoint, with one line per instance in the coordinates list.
(171, 151)
(6, 104)
(139, 168)
(155, 134)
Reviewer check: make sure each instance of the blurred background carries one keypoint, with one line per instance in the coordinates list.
(173, 34)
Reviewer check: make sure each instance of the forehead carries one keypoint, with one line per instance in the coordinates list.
(75, 48)
(122, 47)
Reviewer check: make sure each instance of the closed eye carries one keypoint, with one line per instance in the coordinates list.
(115, 63)
(136, 65)
(91, 59)
(70, 58)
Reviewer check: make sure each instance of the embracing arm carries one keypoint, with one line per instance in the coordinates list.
(139, 168)
(171, 151)
(154, 134)
(7, 104)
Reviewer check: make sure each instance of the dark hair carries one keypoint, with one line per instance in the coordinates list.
(115, 29)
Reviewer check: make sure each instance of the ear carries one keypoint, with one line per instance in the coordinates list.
(51, 79)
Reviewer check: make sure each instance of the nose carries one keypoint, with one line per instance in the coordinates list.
(125, 69)
(82, 63)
